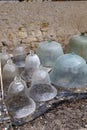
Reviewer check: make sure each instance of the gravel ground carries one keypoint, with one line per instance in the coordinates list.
(68, 116)
(62, 20)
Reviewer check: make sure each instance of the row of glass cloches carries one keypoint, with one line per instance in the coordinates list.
(27, 80)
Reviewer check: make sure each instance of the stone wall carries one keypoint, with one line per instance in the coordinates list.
(34, 22)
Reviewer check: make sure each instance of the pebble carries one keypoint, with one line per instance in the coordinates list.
(41, 118)
(86, 126)
(22, 33)
(30, 39)
(11, 36)
(45, 122)
(44, 26)
(5, 128)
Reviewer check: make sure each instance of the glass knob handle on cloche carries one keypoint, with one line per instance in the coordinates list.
(4, 56)
(73, 53)
(19, 104)
(49, 38)
(10, 70)
(19, 54)
(17, 86)
(41, 89)
(32, 63)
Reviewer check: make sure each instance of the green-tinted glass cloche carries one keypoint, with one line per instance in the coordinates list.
(70, 71)
(48, 52)
(78, 44)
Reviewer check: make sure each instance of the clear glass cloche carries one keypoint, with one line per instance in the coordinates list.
(19, 55)
(10, 70)
(4, 56)
(70, 71)
(41, 88)
(32, 62)
(48, 52)
(18, 103)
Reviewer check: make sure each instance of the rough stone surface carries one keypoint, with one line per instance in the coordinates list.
(36, 21)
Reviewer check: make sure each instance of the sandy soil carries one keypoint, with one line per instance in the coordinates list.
(61, 20)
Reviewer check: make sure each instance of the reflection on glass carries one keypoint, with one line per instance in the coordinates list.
(10, 70)
(48, 52)
(70, 71)
(4, 56)
(32, 63)
(19, 54)
(18, 102)
(41, 88)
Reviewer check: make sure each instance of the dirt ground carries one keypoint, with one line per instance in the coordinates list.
(68, 116)
(61, 20)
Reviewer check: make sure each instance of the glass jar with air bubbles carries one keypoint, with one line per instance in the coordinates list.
(32, 63)
(41, 89)
(19, 104)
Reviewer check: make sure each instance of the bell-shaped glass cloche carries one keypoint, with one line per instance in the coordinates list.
(18, 102)
(10, 70)
(32, 63)
(19, 55)
(41, 88)
(4, 56)
(70, 71)
(78, 44)
(48, 52)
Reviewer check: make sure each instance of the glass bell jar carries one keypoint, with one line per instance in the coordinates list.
(10, 70)
(19, 104)
(4, 56)
(41, 89)
(70, 72)
(48, 52)
(32, 62)
(19, 55)
(78, 44)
